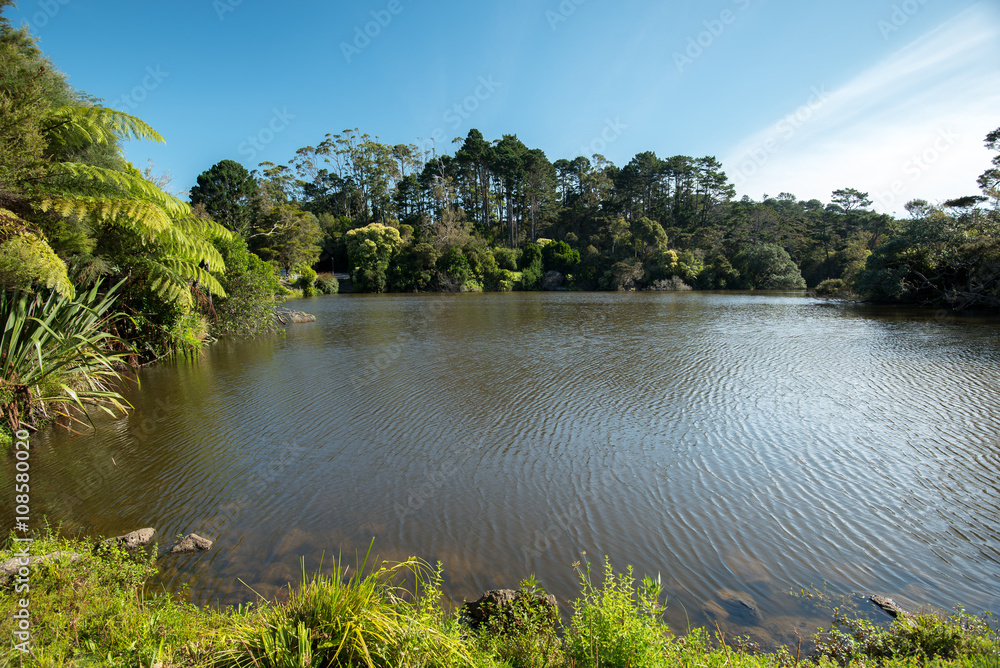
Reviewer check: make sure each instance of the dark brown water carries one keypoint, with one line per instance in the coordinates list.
(740, 446)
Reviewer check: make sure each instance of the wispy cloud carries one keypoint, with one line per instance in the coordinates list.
(912, 126)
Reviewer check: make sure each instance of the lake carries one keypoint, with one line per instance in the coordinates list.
(740, 445)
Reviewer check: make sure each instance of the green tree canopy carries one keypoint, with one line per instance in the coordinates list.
(228, 192)
(370, 250)
(769, 267)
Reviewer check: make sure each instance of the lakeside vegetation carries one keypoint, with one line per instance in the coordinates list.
(99, 611)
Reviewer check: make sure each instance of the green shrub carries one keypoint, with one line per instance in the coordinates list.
(307, 276)
(93, 611)
(768, 267)
(506, 258)
(251, 285)
(527, 634)
(834, 287)
(617, 624)
(327, 284)
(349, 620)
(923, 637)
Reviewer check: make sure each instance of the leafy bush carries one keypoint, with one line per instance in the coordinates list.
(92, 611)
(356, 620)
(327, 284)
(558, 256)
(251, 285)
(506, 258)
(834, 287)
(526, 633)
(307, 276)
(456, 273)
(370, 250)
(923, 637)
(769, 267)
(617, 624)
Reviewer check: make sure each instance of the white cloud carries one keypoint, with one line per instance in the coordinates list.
(910, 127)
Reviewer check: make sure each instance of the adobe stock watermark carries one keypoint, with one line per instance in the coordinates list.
(714, 28)
(783, 132)
(363, 35)
(256, 143)
(223, 7)
(132, 99)
(613, 129)
(461, 111)
(562, 13)
(47, 10)
(916, 166)
(900, 16)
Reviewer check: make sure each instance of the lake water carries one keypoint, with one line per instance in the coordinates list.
(739, 445)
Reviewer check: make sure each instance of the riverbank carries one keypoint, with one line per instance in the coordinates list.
(96, 609)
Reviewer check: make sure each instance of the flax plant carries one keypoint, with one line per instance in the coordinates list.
(58, 357)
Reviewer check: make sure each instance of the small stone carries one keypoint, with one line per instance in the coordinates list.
(496, 606)
(889, 606)
(191, 543)
(130, 541)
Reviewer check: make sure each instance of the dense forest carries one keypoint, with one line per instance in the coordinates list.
(101, 265)
(498, 215)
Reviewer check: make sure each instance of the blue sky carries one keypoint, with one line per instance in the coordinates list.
(890, 97)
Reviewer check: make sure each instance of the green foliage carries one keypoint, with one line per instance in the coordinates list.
(616, 623)
(93, 611)
(923, 637)
(530, 256)
(558, 256)
(348, 620)
(250, 283)
(531, 266)
(506, 258)
(834, 287)
(57, 353)
(526, 634)
(768, 267)
(937, 260)
(287, 235)
(415, 268)
(227, 191)
(327, 284)
(27, 259)
(370, 250)
(307, 276)
(456, 273)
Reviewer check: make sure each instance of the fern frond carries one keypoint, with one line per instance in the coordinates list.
(149, 219)
(205, 227)
(80, 126)
(130, 182)
(193, 272)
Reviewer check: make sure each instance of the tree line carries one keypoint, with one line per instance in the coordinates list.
(499, 215)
